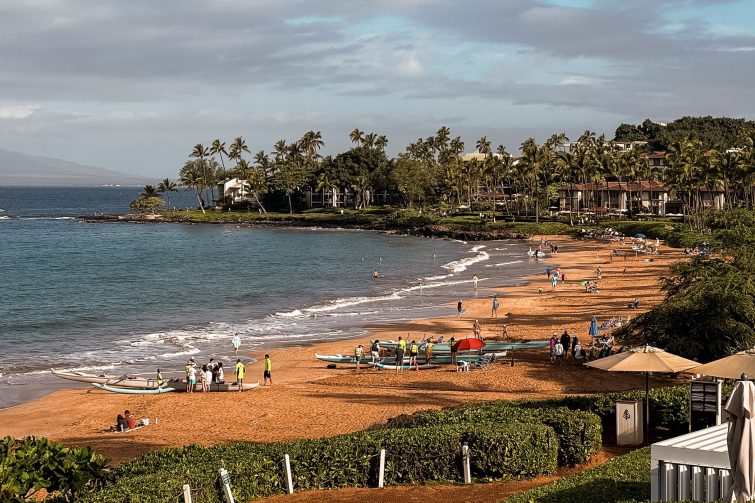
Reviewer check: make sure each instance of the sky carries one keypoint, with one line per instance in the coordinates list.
(133, 85)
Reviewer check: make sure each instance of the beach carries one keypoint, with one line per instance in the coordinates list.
(309, 400)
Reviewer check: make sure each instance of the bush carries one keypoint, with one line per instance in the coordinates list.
(409, 218)
(414, 456)
(625, 479)
(30, 464)
(579, 432)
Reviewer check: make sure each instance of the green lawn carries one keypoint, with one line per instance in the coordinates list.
(624, 479)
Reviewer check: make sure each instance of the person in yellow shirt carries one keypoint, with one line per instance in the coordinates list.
(428, 350)
(400, 350)
(266, 374)
(240, 371)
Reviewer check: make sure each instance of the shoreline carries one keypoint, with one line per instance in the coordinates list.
(79, 416)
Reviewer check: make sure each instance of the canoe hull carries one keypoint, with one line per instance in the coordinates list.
(229, 386)
(133, 391)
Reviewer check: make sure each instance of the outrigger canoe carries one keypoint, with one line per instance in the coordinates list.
(133, 391)
(385, 366)
(124, 381)
(490, 347)
(342, 358)
(228, 386)
(444, 358)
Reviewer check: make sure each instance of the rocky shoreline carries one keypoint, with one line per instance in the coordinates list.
(429, 231)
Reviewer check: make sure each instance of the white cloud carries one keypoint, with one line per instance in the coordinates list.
(17, 111)
(410, 66)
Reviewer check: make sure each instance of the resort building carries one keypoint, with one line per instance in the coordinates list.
(645, 196)
(234, 191)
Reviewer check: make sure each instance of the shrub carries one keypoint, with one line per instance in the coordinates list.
(415, 456)
(626, 478)
(578, 432)
(30, 464)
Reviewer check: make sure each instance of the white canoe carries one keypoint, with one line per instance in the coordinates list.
(133, 391)
(383, 366)
(228, 386)
(124, 381)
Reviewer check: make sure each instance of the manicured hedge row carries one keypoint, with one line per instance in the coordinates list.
(414, 456)
(669, 406)
(579, 432)
(623, 479)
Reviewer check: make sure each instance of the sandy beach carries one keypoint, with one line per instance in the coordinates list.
(308, 400)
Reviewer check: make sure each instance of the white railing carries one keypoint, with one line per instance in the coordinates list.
(693, 467)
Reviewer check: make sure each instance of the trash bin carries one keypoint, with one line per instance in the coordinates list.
(629, 422)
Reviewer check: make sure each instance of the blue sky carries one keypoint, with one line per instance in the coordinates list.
(134, 85)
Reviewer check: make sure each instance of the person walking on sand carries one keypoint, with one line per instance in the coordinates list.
(476, 329)
(375, 351)
(475, 279)
(565, 342)
(599, 272)
(358, 355)
(236, 341)
(459, 309)
(266, 374)
(494, 309)
(549, 271)
(240, 371)
(554, 281)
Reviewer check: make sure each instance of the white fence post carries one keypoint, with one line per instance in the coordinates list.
(465, 461)
(226, 479)
(187, 493)
(381, 473)
(289, 479)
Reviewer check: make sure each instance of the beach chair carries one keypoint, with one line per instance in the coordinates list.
(484, 362)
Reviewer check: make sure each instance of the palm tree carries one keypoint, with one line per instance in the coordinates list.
(166, 187)
(369, 140)
(149, 191)
(381, 143)
(191, 176)
(218, 148)
(200, 152)
(357, 137)
(483, 145)
(325, 182)
(361, 186)
(311, 142)
(279, 150)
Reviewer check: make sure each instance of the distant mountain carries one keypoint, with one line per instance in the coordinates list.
(19, 169)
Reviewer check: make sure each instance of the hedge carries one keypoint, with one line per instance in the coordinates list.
(669, 406)
(622, 479)
(413, 456)
(579, 432)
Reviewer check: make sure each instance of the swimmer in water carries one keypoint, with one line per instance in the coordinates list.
(375, 274)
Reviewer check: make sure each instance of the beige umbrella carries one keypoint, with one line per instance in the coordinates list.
(643, 359)
(741, 409)
(730, 367)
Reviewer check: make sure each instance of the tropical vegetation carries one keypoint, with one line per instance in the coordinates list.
(431, 173)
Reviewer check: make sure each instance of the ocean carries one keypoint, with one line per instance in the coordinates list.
(127, 297)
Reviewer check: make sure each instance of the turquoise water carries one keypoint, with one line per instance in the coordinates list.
(124, 297)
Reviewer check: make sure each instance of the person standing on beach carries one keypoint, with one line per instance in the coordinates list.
(459, 309)
(375, 351)
(428, 350)
(554, 281)
(452, 345)
(553, 343)
(358, 355)
(549, 271)
(565, 342)
(236, 341)
(400, 349)
(494, 310)
(476, 329)
(475, 280)
(266, 375)
(240, 370)
(574, 344)
(188, 370)
(413, 352)
(599, 272)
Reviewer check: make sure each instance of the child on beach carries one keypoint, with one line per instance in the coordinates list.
(220, 375)
(268, 369)
(236, 341)
(476, 329)
(458, 309)
(206, 377)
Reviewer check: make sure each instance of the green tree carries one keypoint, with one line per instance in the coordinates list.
(166, 187)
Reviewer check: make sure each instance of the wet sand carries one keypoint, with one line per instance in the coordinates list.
(308, 400)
